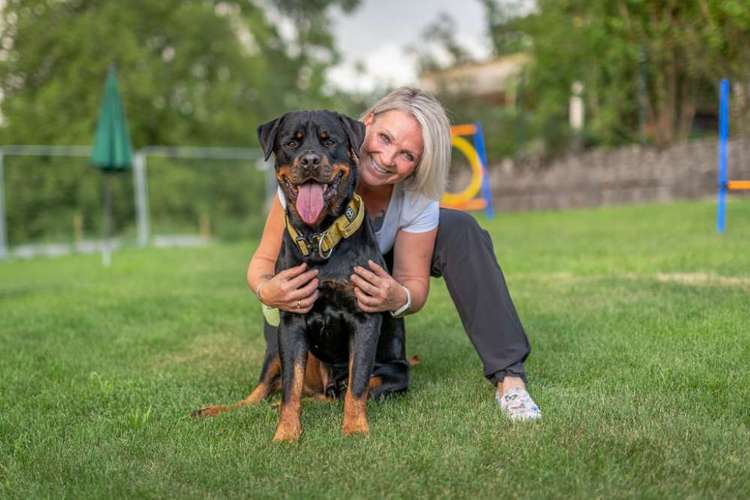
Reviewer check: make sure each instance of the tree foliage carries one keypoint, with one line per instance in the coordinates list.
(660, 58)
(191, 72)
(438, 47)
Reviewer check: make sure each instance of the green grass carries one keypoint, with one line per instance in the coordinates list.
(638, 317)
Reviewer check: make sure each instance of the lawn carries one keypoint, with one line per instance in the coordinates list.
(639, 319)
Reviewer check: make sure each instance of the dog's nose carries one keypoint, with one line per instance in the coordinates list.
(309, 160)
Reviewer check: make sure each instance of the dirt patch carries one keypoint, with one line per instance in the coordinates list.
(213, 348)
(703, 279)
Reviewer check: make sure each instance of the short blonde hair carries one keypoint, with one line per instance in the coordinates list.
(430, 176)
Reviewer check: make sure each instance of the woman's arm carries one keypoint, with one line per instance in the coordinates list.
(263, 262)
(377, 291)
(293, 289)
(412, 257)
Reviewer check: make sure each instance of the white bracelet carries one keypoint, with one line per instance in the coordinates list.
(405, 308)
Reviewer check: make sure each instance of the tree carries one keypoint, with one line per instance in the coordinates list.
(438, 47)
(660, 57)
(502, 25)
(190, 72)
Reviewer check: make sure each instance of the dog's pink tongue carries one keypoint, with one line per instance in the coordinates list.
(310, 201)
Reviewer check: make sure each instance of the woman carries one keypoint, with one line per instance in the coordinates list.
(403, 165)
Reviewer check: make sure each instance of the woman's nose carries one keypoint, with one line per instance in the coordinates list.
(389, 156)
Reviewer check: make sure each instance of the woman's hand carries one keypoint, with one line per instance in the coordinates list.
(376, 290)
(294, 289)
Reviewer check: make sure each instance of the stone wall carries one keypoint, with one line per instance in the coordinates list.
(631, 174)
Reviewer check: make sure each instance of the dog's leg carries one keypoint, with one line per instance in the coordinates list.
(270, 377)
(390, 374)
(361, 359)
(314, 376)
(269, 381)
(293, 351)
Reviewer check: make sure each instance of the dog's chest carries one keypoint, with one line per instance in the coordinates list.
(332, 320)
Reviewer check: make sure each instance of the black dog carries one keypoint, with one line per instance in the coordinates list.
(335, 348)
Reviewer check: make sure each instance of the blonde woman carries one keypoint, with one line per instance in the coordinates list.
(403, 166)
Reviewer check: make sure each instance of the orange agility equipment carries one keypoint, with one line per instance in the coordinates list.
(476, 154)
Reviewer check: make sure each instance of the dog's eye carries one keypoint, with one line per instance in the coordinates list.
(291, 144)
(329, 142)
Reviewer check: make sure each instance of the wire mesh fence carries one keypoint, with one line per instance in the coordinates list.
(219, 198)
(51, 199)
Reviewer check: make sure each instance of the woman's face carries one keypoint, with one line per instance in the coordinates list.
(392, 148)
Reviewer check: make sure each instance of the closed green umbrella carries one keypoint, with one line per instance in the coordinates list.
(111, 152)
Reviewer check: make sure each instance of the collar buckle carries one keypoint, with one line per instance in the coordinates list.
(323, 253)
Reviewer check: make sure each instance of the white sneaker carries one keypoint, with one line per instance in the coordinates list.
(517, 405)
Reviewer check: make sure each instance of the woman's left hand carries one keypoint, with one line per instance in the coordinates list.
(376, 290)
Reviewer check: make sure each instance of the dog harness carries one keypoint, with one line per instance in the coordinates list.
(324, 242)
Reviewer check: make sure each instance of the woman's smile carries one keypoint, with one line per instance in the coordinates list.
(374, 165)
(392, 148)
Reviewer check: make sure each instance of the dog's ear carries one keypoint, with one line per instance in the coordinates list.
(355, 132)
(267, 136)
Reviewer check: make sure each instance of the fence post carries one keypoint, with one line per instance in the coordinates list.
(478, 139)
(141, 197)
(3, 226)
(721, 209)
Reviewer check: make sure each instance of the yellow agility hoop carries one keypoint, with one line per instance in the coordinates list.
(460, 198)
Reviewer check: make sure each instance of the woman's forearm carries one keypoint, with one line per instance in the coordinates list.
(418, 290)
(263, 262)
(259, 270)
(412, 256)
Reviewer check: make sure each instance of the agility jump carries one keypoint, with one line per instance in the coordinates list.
(725, 185)
(476, 154)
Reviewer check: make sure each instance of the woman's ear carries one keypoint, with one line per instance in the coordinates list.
(368, 119)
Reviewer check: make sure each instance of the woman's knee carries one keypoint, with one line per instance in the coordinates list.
(459, 236)
(458, 228)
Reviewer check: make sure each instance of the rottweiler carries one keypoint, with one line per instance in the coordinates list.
(335, 349)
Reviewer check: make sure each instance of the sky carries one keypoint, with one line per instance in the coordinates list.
(377, 32)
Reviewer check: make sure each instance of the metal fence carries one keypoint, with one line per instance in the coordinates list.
(140, 185)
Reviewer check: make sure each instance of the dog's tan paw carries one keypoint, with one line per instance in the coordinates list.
(356, 427)
(287, 433)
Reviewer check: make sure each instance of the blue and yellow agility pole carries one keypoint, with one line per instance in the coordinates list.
(725, 185)
(476, 153)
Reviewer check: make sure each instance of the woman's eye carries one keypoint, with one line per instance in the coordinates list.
(385, 138)
(409, 157)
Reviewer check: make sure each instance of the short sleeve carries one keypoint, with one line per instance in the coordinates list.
(420, 215)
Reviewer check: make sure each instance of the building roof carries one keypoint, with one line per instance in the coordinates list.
(497, 76)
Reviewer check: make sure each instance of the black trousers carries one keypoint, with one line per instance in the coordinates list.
(465, 258)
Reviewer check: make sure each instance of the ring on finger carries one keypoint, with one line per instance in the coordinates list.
(299, 304)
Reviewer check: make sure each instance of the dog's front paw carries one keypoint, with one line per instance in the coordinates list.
(355, 426)
(287, 432)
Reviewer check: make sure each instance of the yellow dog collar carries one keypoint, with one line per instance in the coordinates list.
(324, 242)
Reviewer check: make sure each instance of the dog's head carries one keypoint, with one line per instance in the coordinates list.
(316, 161)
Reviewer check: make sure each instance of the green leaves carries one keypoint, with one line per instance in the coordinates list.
(660, 60)
(190, 72)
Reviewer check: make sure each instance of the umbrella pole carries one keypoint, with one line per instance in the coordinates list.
(106, 248)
